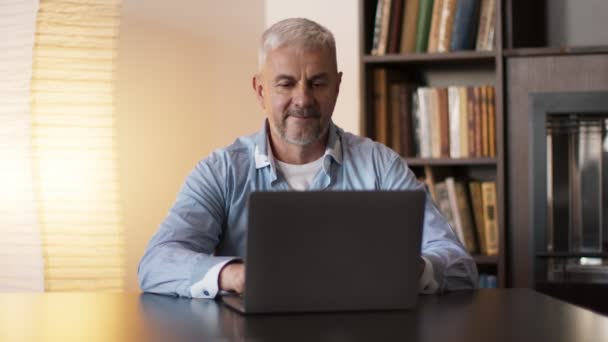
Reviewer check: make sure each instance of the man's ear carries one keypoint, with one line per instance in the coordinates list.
(339, 82)
(258, 88)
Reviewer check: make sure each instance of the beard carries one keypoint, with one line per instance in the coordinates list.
(303, 132)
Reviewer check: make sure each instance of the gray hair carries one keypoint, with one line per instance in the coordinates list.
(298, 32)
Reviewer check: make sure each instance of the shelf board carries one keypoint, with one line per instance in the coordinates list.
(571, 255)
(431, 57)
(486, 259)
(555, 51)
(449, 161)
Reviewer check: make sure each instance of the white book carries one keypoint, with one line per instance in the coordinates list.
(454, 118)
(425, 122)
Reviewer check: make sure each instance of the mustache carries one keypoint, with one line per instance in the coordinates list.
(305, 112)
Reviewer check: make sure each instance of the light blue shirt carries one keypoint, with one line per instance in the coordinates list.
(207, 225)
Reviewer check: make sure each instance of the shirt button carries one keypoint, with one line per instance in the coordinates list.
(206, 293)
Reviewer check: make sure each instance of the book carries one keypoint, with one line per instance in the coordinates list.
(443, 203)
(444, 122)
(492, 121)
(471, 120)
(394, 35)
(425, 113)
(477, 205)
(484, 120)
(416, 123)
(461, 212)
(435, 125)
(477, 112)
(384, 27)
(410, 21)
(377, 27)
(464, 122)
(446, 22)
(454, 118)
(488, 193)
(435, 20)
(489, 43)
(406, 119)
(381, 106)
(487, 20)
(395, 118)
(423, 25)
(464, 29)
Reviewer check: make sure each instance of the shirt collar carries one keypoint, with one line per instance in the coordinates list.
(263, 153)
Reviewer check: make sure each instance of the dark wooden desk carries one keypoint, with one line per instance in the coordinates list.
(483, 315)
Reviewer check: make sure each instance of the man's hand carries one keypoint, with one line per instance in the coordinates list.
(232, 277)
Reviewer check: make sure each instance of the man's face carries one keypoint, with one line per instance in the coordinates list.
(298, 89)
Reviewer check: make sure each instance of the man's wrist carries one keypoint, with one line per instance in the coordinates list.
(229, 274)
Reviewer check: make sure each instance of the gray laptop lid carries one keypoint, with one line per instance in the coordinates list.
(333, 251)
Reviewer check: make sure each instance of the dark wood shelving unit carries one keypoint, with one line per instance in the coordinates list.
(450, 161)
(432, 57)
(530, 55)
(468, 68)
(485, 259)
(555, 51)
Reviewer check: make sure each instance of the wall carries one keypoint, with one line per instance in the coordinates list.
(576, 22)
(183, 89)
(341, 17)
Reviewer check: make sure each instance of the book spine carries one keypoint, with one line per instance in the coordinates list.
(443, 202)
(471, 115)
(484, 121)
(492, 120)
(423, 25)
(395, 118)
(410, 21)
(453, 208)
(464, 122)
(454, 117)
(416, 122)
(477, 101)
(466, 221)
(394, 36)
(377, 28)
(477, 204)
(444, 122)
(384, 27)
(465, 25)
(482, 30)
(488, 193)
(425, 121)
(380, 106)
(435, 123)
(434, 33)
(489, 40)
(446, 23)
(407, 130)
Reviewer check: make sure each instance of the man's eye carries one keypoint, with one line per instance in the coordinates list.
(319, 84)
(284, 85)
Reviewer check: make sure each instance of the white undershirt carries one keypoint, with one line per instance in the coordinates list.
(300, 177)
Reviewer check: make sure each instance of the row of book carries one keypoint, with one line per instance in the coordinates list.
(426, 122)
(487, 281)
(408, 26)
(470, 209)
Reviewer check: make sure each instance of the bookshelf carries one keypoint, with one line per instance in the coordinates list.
(530, 56)
(458, 68)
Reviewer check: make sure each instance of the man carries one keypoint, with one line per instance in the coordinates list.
(197, 250)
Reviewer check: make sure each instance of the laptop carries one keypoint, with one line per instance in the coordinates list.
(331, 251)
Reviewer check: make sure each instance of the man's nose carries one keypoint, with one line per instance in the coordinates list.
(303, 96)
